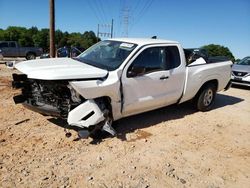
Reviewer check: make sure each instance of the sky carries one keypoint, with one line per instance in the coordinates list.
(193, 23)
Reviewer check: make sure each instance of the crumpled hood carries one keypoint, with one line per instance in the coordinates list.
(241, 68)
(59, 69)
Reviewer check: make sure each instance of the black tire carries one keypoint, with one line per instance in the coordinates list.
(98, 133)
(205, 98)
(30, 56)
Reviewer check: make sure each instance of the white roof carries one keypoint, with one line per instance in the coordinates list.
(144, 41)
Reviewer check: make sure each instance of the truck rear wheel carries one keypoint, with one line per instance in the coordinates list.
(30, 56)
(205, 98)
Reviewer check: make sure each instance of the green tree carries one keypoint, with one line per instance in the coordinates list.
(237, 60)
(63, 40)
(219, 50)
(40, 38)
(14, 33)
(2, 34)
(89, 38)
(75, 39)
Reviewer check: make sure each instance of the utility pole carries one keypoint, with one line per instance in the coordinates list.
(52, 28)
(112, 26)
(98, 31)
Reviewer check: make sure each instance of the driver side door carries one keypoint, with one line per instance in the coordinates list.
(157, 83)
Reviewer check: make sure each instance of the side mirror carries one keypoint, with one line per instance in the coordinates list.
(136, 71)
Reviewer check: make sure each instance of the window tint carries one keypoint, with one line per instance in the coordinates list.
(173, 59)
(151, 59)
(158, 58)
(12, 44)
(3, 44)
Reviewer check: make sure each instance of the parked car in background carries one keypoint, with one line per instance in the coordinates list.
(12, 49)
(241, 72)
(1, 55)
(44, 55)
(65, 52)
(68, 52)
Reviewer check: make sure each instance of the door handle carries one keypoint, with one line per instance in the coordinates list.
(164, 77)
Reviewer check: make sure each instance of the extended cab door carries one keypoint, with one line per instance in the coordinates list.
(13, 49)
(9, 49)
(153, 78)
(4, 48)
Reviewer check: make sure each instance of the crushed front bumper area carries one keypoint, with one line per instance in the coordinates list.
(45, 97)
(56, 99)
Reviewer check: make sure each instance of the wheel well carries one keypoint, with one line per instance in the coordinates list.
(212, 82)
(30, 53)
(106, 101)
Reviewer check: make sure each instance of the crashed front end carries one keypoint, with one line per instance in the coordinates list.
(57, 98)
(52, 98)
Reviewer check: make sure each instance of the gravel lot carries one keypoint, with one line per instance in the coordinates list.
(170, 147)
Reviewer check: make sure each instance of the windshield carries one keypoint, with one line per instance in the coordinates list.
(107, 54)
(245, 61)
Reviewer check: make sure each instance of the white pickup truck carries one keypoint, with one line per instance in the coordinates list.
(117, 78)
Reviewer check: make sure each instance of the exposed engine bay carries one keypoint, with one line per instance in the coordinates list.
(55, 98)
(58, 99)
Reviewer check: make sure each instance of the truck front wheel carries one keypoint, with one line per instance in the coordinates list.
(30, 56)
(205, 98)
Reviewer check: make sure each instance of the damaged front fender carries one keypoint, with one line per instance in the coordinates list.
(93, 89)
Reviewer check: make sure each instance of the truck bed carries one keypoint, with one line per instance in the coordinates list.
(197, 75)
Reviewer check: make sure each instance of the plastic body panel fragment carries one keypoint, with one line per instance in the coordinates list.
(85, 115)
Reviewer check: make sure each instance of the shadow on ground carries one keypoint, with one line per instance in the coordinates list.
(130, 124)
(148, 119)
(241, 87)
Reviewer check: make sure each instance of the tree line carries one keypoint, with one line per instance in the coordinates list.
(219, 50)
(40, 37)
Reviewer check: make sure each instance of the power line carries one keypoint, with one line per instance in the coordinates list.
(110, 10)
(142, 12)
(136, 6)
(94, 10)
(98, 8)
(119, 17)
(146, 8)
(102, 9)
(134, 10)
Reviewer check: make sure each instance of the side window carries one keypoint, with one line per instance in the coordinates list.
(152, 59)
(173, 59)
(12, 44)
(3, 45)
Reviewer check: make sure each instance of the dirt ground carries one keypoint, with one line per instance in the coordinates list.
(170, 147)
